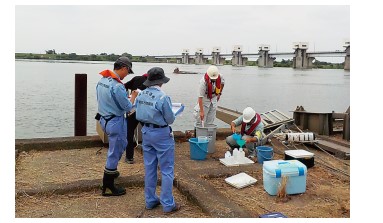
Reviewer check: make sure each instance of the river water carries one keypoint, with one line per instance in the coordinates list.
(45, 92)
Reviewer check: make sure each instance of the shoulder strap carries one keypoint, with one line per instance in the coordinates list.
(253, 126)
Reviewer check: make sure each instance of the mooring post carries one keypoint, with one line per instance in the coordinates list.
(80, 108)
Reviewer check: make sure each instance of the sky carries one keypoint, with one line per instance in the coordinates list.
(168, 29)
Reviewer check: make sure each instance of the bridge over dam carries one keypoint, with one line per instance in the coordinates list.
(302, 58)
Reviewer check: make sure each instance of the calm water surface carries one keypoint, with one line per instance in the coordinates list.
(45, 92)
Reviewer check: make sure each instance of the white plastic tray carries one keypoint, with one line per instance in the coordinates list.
(231, 162)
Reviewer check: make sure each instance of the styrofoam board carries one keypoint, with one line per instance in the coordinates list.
(240, 180)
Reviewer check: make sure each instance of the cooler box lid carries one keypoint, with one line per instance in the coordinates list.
(299, 153)
(279, 168)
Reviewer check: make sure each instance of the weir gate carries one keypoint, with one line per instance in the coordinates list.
(302, 58)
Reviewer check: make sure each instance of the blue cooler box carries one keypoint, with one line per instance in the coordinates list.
(295, 171)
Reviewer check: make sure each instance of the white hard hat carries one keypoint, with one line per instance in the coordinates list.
(213, 73)
(248, 114)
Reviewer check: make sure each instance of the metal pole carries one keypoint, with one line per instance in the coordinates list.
(80, 104)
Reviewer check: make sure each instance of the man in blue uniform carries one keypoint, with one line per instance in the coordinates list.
(154, 111)
(113, 102)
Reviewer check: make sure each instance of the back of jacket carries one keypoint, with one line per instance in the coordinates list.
(154, 106)
(112, 98)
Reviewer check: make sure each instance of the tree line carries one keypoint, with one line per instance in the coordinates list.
(52, 55)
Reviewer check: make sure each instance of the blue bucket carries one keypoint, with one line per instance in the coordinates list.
(198, 149)
(264, 153)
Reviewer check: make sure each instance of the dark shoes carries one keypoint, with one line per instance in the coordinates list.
(175, 209)
(252, 154)
(113, 191)
(154, 206)
(129, 161)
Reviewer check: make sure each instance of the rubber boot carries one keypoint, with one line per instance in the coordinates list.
(108, 187)
(115, 174)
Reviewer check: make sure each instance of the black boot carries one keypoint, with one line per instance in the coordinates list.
(113, 173)
(108, 187)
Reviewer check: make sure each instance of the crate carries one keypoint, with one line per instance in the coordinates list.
(302, 155)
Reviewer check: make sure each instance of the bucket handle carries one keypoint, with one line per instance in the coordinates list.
(266, 158)
(199, 147)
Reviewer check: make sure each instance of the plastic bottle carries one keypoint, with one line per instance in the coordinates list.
(235, 154)
(227, 154)
(241, 153)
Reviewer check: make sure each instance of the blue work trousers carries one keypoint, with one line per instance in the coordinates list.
(158, 149)
(116, 129)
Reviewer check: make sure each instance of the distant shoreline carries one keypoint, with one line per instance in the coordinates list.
(150, 59)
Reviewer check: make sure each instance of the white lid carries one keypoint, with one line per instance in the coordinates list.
(299, 153)
(240, 180)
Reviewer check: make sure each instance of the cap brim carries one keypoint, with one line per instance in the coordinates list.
(246, 121)
(156, 82)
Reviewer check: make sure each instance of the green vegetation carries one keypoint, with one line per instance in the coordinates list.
(52, 55)
(325, 65)
(283, 63)
(251, 63)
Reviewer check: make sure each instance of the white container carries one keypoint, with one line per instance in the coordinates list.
(241, 153)
(202, 139)
(304, 156)
(274, 170)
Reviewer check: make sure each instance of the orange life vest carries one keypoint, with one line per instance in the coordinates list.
(109, 73)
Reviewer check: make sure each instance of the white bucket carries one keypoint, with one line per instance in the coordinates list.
(202, 139)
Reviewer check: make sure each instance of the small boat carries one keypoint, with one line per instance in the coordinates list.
(177, 71)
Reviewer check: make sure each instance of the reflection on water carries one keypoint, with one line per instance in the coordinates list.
(45, 92)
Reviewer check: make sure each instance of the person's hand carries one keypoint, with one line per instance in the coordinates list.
(253, 139)
(133, 96)
(135, 93)
(233, 129)
(201, 115)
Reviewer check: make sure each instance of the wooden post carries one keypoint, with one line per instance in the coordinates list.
(346, 125)
(80, 104)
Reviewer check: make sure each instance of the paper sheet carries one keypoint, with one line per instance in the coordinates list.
(177, 108)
